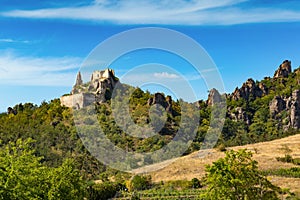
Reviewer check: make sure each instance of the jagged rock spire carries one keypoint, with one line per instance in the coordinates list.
(78, 79)
(284, 70)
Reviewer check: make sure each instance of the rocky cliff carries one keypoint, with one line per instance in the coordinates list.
(160, 99)
(291, 105)
(280, 95)
(250, 89)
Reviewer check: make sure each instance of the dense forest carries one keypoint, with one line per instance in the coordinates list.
(46, 136)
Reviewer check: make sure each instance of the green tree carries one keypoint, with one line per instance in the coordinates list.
(20, 172)
(23, 176)
(65, 182)
(237, 177)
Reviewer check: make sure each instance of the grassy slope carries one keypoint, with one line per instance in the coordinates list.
(265, 153)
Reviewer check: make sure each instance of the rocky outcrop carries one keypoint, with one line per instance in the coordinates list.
(277, 105)
(289, 104)
(295, 110)
(165, 102)
(240, 115)
(250, 89)
(213, 97)
(284, 70)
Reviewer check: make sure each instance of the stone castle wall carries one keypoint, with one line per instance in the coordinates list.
(77, 101)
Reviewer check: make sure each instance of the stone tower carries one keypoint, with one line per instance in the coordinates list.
(78, 79)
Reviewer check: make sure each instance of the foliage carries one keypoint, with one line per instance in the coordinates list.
(237, 177)
(22, 176)
(52, 127)
(155, 193)
(289, 159)
(293, 172)
(196, 183)
(106, 190)
(139, 182)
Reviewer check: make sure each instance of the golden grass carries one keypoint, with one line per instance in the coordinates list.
(193, 165)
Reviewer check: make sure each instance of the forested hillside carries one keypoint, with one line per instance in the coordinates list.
(258, 111)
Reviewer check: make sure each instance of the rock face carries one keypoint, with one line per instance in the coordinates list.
(277, 105)
(165, 102)
(295, 110)
(284, 70)
(240, 115)
(98, 90)
(289, 104)
(284, 109)
(213, 97)
(249, 89)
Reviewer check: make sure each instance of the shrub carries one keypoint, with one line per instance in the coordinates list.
(106, 190)
(196, 183)
(221, 147)
(139, 182)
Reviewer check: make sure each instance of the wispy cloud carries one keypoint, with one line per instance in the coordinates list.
(165, 75)
(9, 40)
(18, 70)
(193, 12)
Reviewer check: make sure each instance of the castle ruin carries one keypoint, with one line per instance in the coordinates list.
(97, 90)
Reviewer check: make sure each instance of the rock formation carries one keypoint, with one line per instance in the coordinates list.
(289, 104)
(250, 89)
(277, 105)
(213, 97)
(295, 110)
(240, 115)
(284, 109)
(284, 70)
(165, 102)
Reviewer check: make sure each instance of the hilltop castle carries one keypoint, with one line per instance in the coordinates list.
(98, 90)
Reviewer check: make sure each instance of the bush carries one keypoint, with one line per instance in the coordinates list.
(178, 184)
(103, 191)
(222, 147)
(292, 172)
(289, 159)
(196, 183)
(139, 182)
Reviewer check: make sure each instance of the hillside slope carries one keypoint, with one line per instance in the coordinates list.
(265, 153)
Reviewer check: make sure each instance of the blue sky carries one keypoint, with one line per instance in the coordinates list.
(44, 43)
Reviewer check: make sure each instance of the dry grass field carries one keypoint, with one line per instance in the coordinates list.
(265, 153)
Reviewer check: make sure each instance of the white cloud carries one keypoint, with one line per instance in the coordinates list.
(16, 70)
(165, 75)
(193, 12)
(9, 40)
